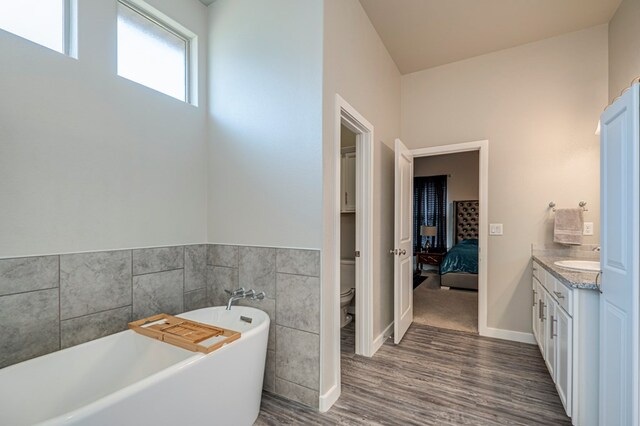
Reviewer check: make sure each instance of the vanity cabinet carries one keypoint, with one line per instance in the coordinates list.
(565, 326)
(348, 182)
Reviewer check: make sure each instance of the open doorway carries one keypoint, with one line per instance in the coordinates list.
(445, 227)
(404, 215)
(348, 251)
(330, 315)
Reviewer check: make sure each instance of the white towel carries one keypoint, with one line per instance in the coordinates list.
(568, 226)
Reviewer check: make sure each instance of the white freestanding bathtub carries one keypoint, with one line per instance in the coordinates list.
(130, 379)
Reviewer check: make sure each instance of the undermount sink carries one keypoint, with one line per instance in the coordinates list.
(580, 265)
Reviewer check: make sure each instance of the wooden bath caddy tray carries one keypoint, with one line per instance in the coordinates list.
(184, 333)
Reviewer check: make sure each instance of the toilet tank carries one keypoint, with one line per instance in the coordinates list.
(347, 274)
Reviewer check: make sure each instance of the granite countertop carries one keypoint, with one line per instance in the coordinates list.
(568, 277)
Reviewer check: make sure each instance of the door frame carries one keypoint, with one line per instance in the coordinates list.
(330, 305)
(482, 146)
(348, 116)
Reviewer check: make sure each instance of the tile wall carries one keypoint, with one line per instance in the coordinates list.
(49, 303)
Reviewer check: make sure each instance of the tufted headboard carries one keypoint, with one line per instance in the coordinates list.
(466, 219)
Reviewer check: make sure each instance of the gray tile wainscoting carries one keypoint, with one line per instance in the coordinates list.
(291, 280)
(48, 303)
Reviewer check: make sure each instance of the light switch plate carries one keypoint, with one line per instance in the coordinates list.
(495, 229)
(588, 228)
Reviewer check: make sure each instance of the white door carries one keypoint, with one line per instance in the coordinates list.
(403, 243)
(563, 329)
(619, 228)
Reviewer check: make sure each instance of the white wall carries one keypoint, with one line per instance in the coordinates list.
(624, 47)
(462, 170)
(92, 161)
(538, 105)
(265, 174)
(358, 67)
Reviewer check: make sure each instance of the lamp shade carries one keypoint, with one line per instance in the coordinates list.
(428, 231)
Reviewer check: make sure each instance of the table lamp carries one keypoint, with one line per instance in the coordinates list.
(428, 231)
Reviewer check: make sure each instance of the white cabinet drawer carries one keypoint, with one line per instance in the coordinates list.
(563, 294)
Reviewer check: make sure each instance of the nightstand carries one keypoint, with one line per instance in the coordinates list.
(429, 258)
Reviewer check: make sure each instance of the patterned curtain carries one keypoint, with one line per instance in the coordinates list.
(430, 209)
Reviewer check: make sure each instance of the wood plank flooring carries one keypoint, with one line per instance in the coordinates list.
(434, 377)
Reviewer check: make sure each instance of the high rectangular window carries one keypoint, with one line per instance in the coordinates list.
(45, 22)
(152, 53)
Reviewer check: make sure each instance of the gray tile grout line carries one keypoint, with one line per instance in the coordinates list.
(297, 329)
(299, 275)
(59, 305)
(155, 272)
(98, 312)
(194, 290)
(297, 384)
(184, 274)
(275, 322)
(32, 291)
(131, 283)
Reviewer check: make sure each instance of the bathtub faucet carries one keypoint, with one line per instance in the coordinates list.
(241, 293)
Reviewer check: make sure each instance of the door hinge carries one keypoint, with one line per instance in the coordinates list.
(357, 253)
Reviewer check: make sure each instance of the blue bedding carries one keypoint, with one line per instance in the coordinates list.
(463, 257)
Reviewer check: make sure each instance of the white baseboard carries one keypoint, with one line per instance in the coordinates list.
(516, 336)
(329, 398)
(379, 341)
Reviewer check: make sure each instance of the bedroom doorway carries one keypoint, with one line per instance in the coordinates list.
(451, 186)
(446, 225)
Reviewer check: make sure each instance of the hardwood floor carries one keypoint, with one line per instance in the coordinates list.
(434, 377)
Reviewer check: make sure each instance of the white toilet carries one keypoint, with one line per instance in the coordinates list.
(347, 288)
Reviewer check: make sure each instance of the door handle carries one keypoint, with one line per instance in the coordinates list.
(552, 330)
(393, 251)
(540, 309)
(402, 252)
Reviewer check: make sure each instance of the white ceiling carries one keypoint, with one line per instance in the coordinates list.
(422, 34)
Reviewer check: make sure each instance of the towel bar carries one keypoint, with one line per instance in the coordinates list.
(581, 204)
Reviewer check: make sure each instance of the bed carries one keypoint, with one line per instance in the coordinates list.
(459, 268)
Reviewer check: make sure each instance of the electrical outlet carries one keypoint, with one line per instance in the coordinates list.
(495, 229)
(588, 228)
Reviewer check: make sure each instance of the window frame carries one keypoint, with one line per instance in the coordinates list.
(69, 28)
(69, 23)
(188, 40)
